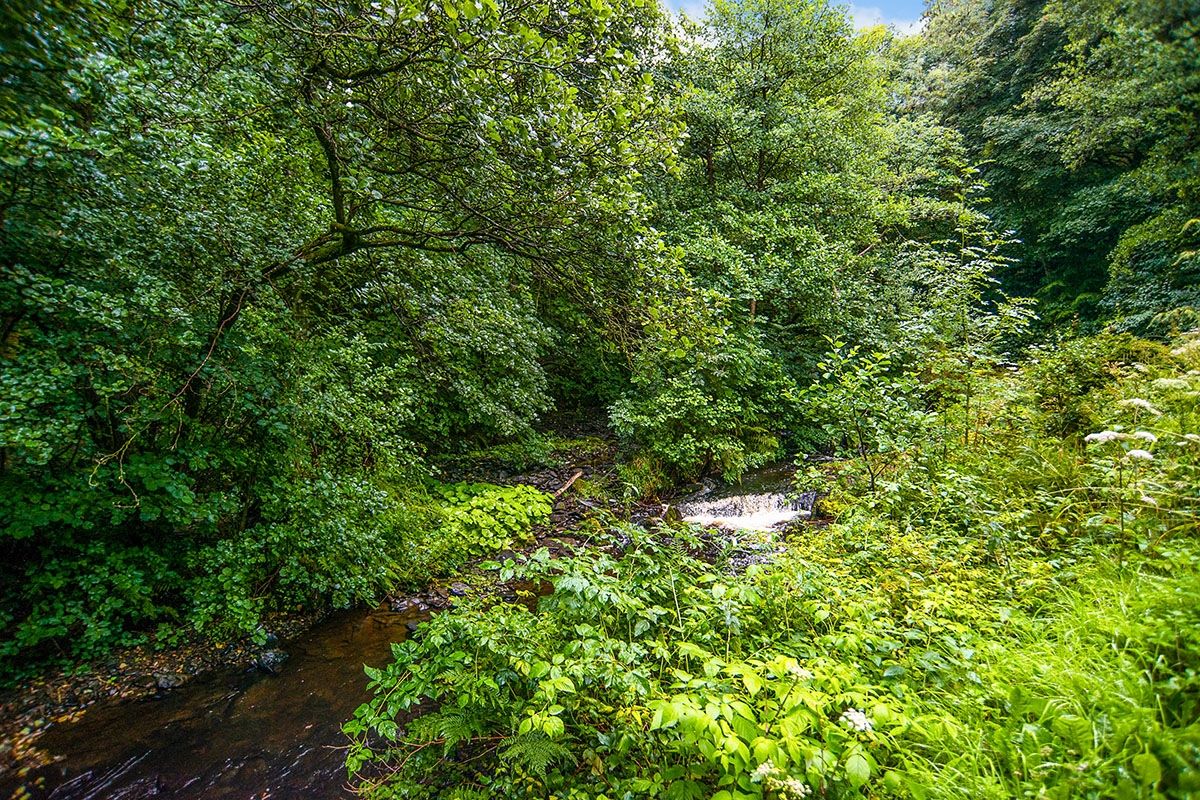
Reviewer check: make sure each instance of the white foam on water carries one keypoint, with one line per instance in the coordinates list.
(758, 521)
(750, 512)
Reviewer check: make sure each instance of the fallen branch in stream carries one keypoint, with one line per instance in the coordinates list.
(578, 474)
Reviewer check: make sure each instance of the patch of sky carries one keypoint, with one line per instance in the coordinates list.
(903, 15)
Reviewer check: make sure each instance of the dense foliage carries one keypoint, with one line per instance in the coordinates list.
(261, 259)
(1084, 114)
(276, 274)
(1010, 615)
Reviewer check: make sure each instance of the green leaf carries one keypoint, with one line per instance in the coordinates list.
(858, 769)
(1148, 769)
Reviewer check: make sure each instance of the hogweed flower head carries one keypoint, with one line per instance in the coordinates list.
(1145, 436)
(856, 720)
(1141, 455)
(786, 788)
(1141, 405)
(1104, 436)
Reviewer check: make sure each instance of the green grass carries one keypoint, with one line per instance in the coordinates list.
(1097, 695)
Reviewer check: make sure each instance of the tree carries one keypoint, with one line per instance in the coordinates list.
(259, 256)
(1130, 84)
(783, 103)
(1077, 111)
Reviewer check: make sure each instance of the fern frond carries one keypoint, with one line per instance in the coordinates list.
(534, 752)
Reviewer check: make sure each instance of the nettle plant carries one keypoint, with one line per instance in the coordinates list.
(643, 675)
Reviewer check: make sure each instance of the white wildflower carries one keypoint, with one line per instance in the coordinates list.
(1143, 405)
(1104, 436)
(1145, 436)
(856, 720)
(796, 789)
(1141, 455)
(1186, 348)
(762, 771)
(1171, 383)
(1148, 500)
(797, 671)
(1192, 437)
(786, 788)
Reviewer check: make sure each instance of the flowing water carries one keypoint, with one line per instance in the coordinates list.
(750, 517)
(251, 735)
(761, 502)
(230, 735)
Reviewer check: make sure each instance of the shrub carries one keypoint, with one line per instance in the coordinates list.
(706, 397)
(329, 543)
(93, 597)
(869, 409)
(640, 675)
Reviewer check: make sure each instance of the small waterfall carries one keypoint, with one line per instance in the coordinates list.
(758, 512)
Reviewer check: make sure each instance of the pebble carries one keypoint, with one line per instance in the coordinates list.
(168, 680)
(270, 661)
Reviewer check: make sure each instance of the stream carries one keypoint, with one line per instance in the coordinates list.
(762, 501)
(252, 735)
(229, 734)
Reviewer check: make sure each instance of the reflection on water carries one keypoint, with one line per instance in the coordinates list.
(231, 735)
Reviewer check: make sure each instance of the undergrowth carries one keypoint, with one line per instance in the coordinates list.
(373, 540)
(993, 613)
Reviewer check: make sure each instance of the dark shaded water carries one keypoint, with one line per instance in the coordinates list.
(231, 735)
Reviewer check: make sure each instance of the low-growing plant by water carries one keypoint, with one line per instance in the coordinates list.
(476, 519)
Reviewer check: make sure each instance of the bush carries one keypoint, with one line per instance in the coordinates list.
(706, 397)
(868, 409)
(330, 544)
(644, 674)
(92, 598)
(1064, 375)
